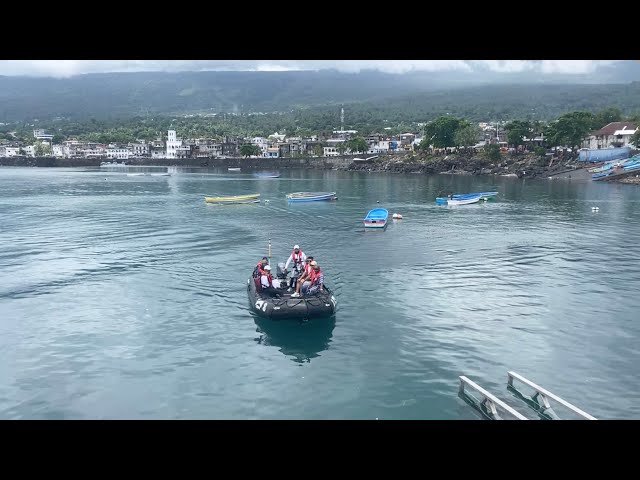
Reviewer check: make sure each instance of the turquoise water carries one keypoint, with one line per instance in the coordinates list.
(125, 297)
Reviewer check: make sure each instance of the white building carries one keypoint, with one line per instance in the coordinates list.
(58, 151)
(139, 149)
(272, 152)
(173, 144)
(276, 137)
(330, 152)
(30, 151)
(263, 143)
(614, 134)
(9, 151)
(41, 135)
(379, 147)
(118, 153)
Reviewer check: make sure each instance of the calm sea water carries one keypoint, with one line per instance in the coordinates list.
(125, 297)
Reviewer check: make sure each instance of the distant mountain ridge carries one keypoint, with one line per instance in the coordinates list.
(117, 95)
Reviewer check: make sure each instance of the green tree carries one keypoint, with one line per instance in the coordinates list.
(249, 149)
(570, 129)
(517, 130)
(492, 152)
(358, 145)
(466, 136)
(318, 150)
(41, 149)
(441, 132)
(424, 145)
(635, 139)
(342, 147)
(58, 139)
(540, 151)
(605, 117)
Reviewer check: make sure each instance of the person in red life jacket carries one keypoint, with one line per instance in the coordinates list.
(306, 271)
(297, 257)
(258, 271)
(314, 281)
(259, 268)
(266, 282)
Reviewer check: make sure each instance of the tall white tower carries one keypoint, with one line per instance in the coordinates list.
(342, 119)
(172, 144)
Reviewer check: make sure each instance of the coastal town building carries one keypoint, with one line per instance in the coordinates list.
(118, 153)
(614, 134)
(172, 144)
(42, 135)
(7, 151)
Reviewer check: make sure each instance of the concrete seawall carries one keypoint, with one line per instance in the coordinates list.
(251, 163)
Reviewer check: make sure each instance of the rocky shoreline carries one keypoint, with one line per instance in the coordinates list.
(521, 166)
(509, 165)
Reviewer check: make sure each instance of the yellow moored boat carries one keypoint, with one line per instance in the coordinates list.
(250, 198)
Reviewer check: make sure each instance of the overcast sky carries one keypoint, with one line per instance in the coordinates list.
(67, 68)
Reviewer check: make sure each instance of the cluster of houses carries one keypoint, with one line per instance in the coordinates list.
(277, 145)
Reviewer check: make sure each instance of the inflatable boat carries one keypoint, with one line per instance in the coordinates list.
(321, 304)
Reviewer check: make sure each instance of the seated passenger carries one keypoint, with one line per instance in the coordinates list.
(266, 282)
(259, 268)
(314, 282)
(306, 271)
(258, 271)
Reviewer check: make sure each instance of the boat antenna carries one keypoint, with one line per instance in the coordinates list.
(269, 250)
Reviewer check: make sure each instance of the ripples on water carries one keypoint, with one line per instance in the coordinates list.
(125, 297)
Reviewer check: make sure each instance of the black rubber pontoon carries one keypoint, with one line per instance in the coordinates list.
(322, 304)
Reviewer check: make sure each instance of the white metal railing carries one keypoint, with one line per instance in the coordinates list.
(544, 396)
(489, 401)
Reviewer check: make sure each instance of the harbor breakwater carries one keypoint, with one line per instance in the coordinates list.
(521, 166)
(250, 163)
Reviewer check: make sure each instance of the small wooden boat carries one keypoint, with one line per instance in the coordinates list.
(311, 196)
(266, 175)
(463, 201)
(376, 218)
(483, 195)
(250, 198)
(462, 196)
(234, 169)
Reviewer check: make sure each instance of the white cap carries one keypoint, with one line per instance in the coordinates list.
(314, 263)
(296, 246)
(267, 267)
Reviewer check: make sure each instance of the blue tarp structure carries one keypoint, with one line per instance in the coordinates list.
(604, 154)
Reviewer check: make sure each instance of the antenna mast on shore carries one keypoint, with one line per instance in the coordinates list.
(342, 119)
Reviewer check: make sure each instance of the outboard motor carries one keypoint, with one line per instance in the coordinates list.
(280, 273)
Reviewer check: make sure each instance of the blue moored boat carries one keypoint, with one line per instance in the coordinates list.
(376, 218)
(311, 196)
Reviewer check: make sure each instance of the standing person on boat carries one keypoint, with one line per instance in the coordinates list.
(306, 271)
(297, 257)
(266, 282)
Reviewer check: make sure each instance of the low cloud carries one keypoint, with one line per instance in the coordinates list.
(69, 68)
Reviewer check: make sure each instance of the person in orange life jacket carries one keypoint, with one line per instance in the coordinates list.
(266, 282)
(298, 258)
(259, 269)
(306, 271)
(314, 282)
